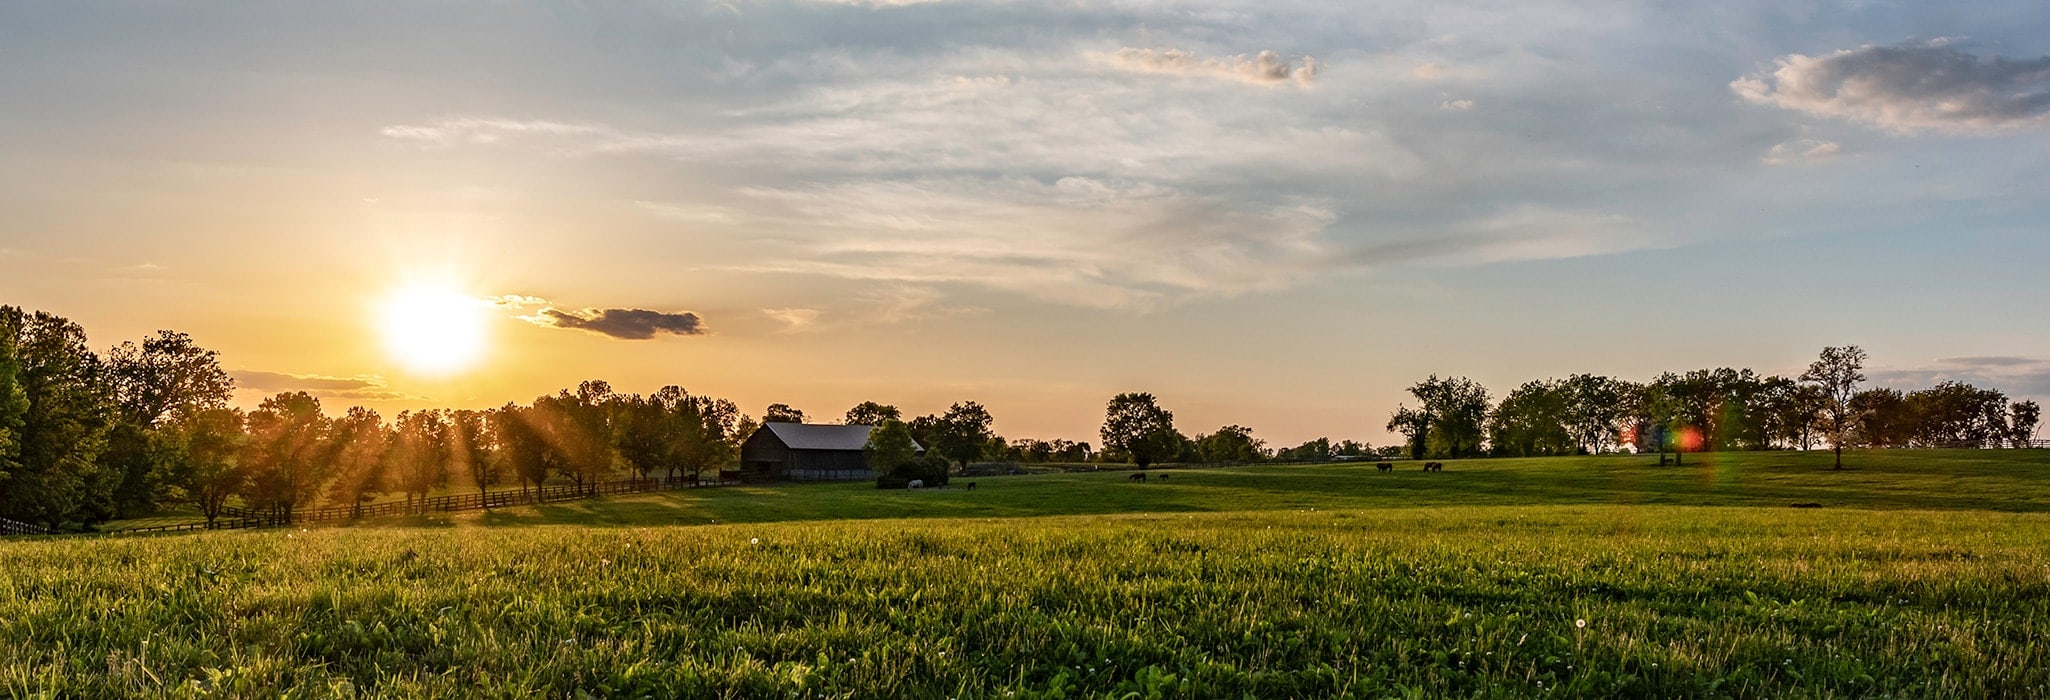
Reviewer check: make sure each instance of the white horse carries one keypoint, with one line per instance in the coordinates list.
(916, 484)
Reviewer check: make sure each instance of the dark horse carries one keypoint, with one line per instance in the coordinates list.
(1141, 476)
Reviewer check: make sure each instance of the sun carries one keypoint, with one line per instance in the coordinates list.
(434, 330)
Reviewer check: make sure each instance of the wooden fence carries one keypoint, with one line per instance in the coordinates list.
(10, 527)
(240, 518)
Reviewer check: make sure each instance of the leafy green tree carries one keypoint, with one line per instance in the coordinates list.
(523, 444)
(962, 434)
(1884, 418)
(1231, 443)
(1837, 373)
(1533, 421)
(471, 449)
(1953, 414)
(1135, 426)
(1415, 427)
(286, 454)
(1456, 410)
(58, 426)
(2023, 417)
(782, 413)
(889, 448)
(1318, 450)
(359, 449)
(1596, 407)
(872, 413)
(201, 457)
(420, 453)
(165, 375)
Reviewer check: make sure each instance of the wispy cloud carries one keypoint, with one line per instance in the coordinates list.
(2016, 376)
(794, 320)
(1800, 150)
(1264, 68)
(1908, 87)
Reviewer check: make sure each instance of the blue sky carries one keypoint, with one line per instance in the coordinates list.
(1275, 214)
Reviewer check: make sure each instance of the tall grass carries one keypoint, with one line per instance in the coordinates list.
(1648, 601)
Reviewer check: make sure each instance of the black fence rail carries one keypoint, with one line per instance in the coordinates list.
(10, 527)
(234, 518)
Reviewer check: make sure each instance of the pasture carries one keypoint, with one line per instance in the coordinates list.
(1924, 574)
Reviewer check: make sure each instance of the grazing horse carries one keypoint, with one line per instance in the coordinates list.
(1163, 477)
(1385, 466)
(1434, 466)
(970, 486)
(916, 484)
(1141, 476)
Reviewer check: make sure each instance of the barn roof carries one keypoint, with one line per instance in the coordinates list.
(806, 436)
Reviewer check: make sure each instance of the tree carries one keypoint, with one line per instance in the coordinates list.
(1318, 450)
(359, 449)
(1455, 410)
(58, 425)
(471, 449)
(1532, 421)
(1885, 418)
(285, 453)
(420, 453)
(1837, 374)
(202, 457)
(167, 374)
(889, 448)
(523, 444)
(1956, 414)
(1595, 409)
(872, 413)
(962, 434)
(1135, 425)
(2023, 417)
(1415, 427)
(782, 413)
(1231, 443)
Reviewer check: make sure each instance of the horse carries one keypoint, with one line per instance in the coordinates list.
(916, 484)
(1385, 466)
(970, 486)
(1141, 476)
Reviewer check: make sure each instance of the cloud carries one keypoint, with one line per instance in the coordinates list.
(624, 324)
(2015, 376)
(1804, 149)
(1455, 105)
(1267, 68)
(1908, 87)
(794, 320)
(358, 388)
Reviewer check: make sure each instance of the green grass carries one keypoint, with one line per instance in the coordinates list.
(1928, 575)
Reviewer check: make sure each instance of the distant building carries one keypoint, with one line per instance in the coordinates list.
(805, 452)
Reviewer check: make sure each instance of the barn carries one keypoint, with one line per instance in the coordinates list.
(805, 452)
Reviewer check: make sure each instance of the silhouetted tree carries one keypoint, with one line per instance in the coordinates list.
(1532, 421)
(2023, 417)
(1415, 427)
(961, 434)
(872, 413)
(1456, 409)
(1136, 426)
(1231, 443)
(782, 413)
(1837, 374)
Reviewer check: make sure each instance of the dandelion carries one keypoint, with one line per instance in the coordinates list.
(1581, 624)
(754, 540)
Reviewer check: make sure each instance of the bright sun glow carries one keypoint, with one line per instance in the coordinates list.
(434, 330)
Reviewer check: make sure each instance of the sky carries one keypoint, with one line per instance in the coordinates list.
(1272, 214)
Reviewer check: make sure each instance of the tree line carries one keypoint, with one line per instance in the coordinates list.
(86, 438)
(1707, 410)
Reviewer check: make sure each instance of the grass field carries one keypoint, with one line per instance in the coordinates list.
(1925, 575)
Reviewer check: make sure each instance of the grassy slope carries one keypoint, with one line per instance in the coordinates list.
(1996, 480)
(1934, 596)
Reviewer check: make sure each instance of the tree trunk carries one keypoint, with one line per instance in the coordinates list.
(1839, 456)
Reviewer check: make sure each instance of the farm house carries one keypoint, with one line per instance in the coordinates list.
(806, 452)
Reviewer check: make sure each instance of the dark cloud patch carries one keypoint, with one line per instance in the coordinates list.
(366, 388)
(624, 324)
(1908, 87)
(280, 381)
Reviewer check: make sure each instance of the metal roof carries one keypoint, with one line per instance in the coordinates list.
(807, 436)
